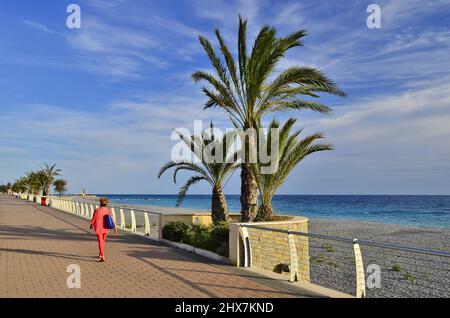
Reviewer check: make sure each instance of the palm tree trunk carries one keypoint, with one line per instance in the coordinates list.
(265, 212)
(219, 207)
(249, 194)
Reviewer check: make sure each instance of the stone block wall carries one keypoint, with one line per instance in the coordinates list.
(271, 250)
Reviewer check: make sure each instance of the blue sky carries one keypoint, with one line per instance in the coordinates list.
(101, 101)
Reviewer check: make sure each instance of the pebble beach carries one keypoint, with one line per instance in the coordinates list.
(403, 274)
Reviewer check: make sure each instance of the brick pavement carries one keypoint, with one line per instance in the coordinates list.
(38, 243)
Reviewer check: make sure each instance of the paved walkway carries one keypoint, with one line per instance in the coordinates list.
(37, 244)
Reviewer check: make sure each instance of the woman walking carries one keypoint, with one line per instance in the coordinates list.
(100, 226)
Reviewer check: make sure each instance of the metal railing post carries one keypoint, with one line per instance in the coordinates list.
(122, 219)
(146, 224)
(113, 212)
(359, 268)
(294, 258)
(133, 221)
(247, 250)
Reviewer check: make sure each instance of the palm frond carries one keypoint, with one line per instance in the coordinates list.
(231, 64)
(242, 55)
(215, 61)
(298, 105)
(183, 190)
(289, 154)
(249, 94)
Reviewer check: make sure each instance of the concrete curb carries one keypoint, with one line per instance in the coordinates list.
(199, 251)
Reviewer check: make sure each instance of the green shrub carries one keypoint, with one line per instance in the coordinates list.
(397, 268)
(408, 277)
(220, 232)
(200, 236)
(176, 232)
(328, 247)
(219, 236)
(213, 238)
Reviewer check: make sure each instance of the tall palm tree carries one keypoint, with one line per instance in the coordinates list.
(214, 169)
(291, 151)
(60, 186)
(248, 90)
(51, 173)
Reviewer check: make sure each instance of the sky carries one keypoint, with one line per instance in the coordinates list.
(101, 101)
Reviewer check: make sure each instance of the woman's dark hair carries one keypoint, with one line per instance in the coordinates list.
(103, 201)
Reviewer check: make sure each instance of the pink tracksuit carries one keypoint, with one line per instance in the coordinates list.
(97, 225)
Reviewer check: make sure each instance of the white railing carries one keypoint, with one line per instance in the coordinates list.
(357, 267)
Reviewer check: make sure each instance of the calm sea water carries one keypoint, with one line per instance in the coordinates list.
(413, 210)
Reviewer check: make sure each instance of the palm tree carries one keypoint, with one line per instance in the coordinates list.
(214, 168)
(20, 185)
(36, 182)
(51, 173)
(291, 151)
(248, 90)
(60, 186)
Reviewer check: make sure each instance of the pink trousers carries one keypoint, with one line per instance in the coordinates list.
(101, 243)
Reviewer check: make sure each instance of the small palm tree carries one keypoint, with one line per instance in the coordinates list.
(60, 186)
(51, 173)
(252, 88)
(36, 182)
(20, 185)
(291, 151)
(213, 169)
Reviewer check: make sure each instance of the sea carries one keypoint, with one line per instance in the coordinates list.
(410, 210)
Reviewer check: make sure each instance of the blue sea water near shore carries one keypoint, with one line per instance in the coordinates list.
(410, 210)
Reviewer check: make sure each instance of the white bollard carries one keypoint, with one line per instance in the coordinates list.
(247, 247)
(113, 212)
(360, 277)
(133, 221)
(147, 224)
(122, 219)
(294, 259)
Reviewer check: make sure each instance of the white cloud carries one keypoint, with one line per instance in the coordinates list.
(39, 26)
(397, 144)
(117, 52)
(128, 141)
(290, 14)
(409, 12)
